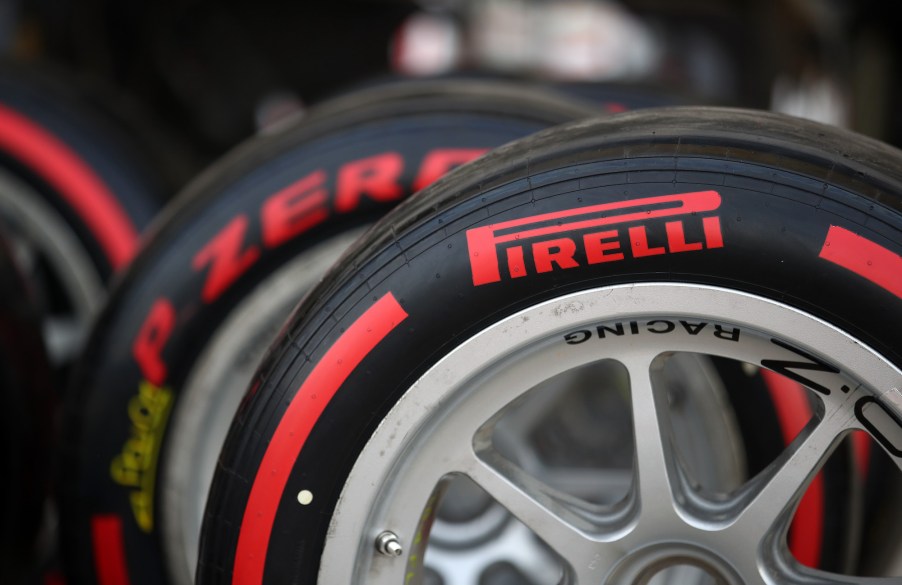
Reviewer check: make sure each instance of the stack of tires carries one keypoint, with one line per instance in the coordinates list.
(452, 332)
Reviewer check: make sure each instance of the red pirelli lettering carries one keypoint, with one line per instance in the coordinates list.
(639, 243)
(713, 234)
(483, 242)
(558, 252)
(676, 238)
(515, 262)
(602, 247)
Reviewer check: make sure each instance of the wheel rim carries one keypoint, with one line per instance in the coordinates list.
(42, 238)
(490, 547)
(664, 525)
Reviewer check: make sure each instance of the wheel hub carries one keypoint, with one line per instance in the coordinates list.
(673, 562)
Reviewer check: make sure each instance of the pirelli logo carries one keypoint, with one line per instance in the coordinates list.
(596, 234)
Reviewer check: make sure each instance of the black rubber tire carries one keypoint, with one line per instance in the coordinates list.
(78, 190)
(171, 304)
(783, 183)
(77, 157)
(26, 423)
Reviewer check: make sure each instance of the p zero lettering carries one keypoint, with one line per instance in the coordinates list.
(298, 207)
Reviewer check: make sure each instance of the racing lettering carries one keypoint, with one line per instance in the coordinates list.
(661, 326)
(619, 242)
(730, 334)
(294, 210)
(440, 161)
(578, 337)
(692, 328)
(376, 176)
(147, 347)
(786, 367)
(603, 329)
(226, 258)
(655, 326)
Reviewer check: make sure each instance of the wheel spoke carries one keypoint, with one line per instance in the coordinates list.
(568, 534)
(770, 497)
(655, 475)
(589, 483)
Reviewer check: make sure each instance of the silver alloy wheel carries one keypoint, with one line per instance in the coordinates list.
(473, 539)
(41, 235)
(443, 426)
(213, 391)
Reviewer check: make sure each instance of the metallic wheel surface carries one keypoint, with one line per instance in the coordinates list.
(669, 519)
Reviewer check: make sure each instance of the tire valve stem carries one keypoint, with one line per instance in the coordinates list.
(388, 544)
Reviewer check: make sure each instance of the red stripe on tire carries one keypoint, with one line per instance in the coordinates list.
(864, 257)
(793, 413)
(301, 415)
(109, 550)
(66, 172)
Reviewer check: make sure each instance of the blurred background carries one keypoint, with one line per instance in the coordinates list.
(195, 77)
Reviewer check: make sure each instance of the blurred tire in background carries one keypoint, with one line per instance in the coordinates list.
(209, 68)
(26, 421)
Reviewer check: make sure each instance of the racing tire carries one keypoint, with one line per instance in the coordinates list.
(76, 191)
(765, 239)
